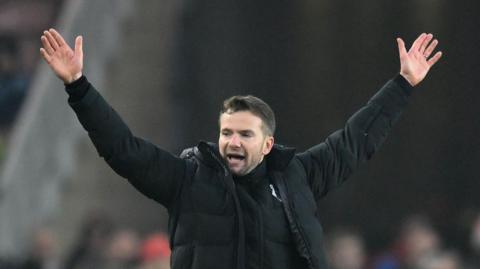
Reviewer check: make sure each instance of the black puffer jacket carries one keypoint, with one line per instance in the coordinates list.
(206, 221)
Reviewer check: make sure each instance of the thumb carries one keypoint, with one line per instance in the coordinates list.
(79, 46)
(402, 51)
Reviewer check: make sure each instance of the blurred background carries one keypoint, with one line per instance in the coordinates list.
(167, 65)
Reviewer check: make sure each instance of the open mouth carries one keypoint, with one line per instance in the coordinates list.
(234, 156)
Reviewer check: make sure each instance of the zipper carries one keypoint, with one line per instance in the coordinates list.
(288, 206)
(239, 255)
(262, 241)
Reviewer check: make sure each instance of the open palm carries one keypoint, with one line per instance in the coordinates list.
(415, 64)
(65, 62)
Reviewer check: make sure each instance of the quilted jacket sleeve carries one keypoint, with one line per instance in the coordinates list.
(329, 163)
(153, 171)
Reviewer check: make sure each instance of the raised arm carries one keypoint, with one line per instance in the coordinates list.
(331, 162)
(153, 171)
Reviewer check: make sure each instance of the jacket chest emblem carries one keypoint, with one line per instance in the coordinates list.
(274, 193)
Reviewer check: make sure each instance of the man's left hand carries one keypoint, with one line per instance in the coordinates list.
(415, 64)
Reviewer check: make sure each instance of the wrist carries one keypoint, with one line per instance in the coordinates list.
(73, 78)
(408, 79)
(77, 89)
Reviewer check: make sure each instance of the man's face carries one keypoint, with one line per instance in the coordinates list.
(242, 142)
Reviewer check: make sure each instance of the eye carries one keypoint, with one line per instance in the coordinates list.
(246, 134)
(225, 133)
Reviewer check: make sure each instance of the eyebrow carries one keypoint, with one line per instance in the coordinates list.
(249, 131)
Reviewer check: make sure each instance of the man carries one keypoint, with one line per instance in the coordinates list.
(246, 202)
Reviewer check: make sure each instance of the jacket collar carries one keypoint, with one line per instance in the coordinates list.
(280, 156)
(208, 153)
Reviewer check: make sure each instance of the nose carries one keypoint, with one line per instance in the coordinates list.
(235, 141)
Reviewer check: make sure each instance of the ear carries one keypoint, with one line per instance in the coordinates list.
(269, 141)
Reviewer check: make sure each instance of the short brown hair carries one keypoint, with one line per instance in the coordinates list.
(253, 104)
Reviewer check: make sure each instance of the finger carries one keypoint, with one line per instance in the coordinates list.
(51, 40)
(79, 46)
(425, 42)
(45, 55)
(402, 51)
(58, 37)
(47, 45)
(430, 48)
(435, 58)
(416, 44)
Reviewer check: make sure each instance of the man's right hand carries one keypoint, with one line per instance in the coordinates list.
(65, 62)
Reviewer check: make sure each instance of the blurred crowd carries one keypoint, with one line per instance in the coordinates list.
(21, 23)
(418, 245)
(100, 244)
